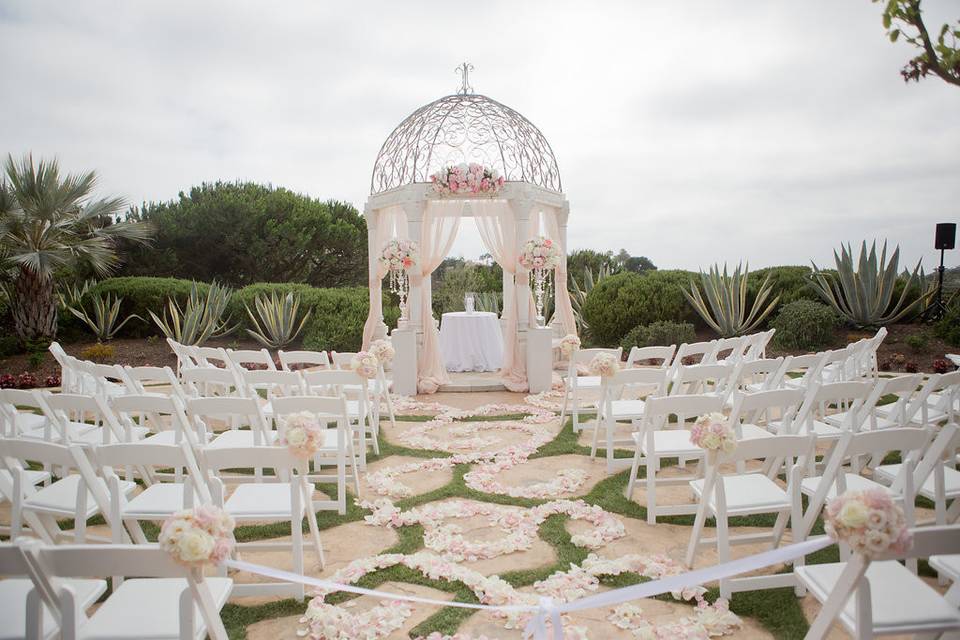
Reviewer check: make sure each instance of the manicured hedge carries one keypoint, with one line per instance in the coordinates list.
(619, 303)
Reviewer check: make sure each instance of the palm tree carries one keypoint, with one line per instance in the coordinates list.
(49, 223)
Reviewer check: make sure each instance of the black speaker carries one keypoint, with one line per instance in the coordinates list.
(946, 235)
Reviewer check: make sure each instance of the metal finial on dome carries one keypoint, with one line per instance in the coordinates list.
(464, 70)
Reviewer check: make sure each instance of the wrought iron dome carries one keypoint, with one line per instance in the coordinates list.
(465, 127)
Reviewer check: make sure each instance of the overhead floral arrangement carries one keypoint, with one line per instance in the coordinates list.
(467, 179)
(198, 537)
(869, 521)
(713, 432)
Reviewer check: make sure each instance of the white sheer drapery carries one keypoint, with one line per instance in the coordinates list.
(562, 305)
(391, 223)
(441, 220)
(498, 230)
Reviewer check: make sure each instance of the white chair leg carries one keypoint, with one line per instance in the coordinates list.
(634, 470)
(723, 553)
(651, 486)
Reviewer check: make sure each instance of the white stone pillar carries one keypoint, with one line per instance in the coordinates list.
(563, 214)
(414, 211)
(522, 209)
(373, 218)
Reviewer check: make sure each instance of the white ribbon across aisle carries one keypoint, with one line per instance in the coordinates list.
(548, 609)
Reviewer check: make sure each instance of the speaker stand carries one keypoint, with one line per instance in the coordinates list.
(937, 310)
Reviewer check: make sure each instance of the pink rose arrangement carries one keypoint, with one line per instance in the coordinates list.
(365, 364)
(713, 432)
(568, 344)
(604, 365)
(198, 537)
(540, 253)
(383, 350)
(302, 434)
(869, 521)
(398, 255)
(467, 179)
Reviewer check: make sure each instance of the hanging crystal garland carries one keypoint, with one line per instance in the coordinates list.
(397, 256)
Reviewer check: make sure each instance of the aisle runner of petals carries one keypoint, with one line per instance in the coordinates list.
(447, 547)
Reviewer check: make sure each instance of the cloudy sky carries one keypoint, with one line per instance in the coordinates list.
(689, 131)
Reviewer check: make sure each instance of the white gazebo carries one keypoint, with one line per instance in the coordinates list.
(467, 128)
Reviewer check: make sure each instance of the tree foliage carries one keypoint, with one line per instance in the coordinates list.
(940, 56)
(241, 233)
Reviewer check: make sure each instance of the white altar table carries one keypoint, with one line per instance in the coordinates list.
(471, 341)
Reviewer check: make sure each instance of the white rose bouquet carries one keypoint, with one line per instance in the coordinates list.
(302, 434)
(540, 253)
(365, 364)
(398, 255)
(198, 537)
(568, 344)
(604, 365)
(713, 433)
(383, 350)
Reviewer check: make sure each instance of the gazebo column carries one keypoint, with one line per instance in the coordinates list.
(372, 217)
(563, 214)
(408, 339)
(535, 342)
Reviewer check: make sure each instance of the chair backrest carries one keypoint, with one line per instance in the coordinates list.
(948, 386)
(84, 561)
(820, 397)
(584, 356)
(280, 459)
(836, 365)
(61, 406)
(640, 355)
(734, 345)
(658, 410)
(808, 365)
(209, 381)
(142, 377)
(326, 409)
(240, 358)
(758, 346)
(210, 356)
(69, 369)
(275, 383)
(701, 378)
(341, 359)
(765, 372)
(10, 400)
(902, 388)
(799, 447)
(111, 457)
(704, 349)
(751, 407)
(334, 378)
(235, 411)
(294, 360)
(48, 453)
(653, 381)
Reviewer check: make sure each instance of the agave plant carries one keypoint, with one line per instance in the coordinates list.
(864, 296)
(70, 295)
(276, 319)
(489, 301)
(723, 303)
(201, 318)
(578, 295)
(103, 320)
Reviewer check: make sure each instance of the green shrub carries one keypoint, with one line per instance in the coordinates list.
(141, 295)
(804, 325)
(918, 341)
(9, 345)
(623, 301)
(337, 318)
(790, 283)
(948, 328)
(660, 333)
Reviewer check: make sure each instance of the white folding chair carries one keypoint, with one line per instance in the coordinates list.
(642, 356)
(290, 499)
(723, 496)
(337, 449)
(271, 384)
(936, 401)
(209, 382)
(185, 359)
(24, 424)
(157, 501)
(948, 566)
(758, 348)
(881, 597)
(79, 495)
(702, 379)
(760, 374)
(174, 603)
(18, 593)
(234, 413)
(70, 373)
(354, 388)
(655, 442)
(379, 388)
(801, 372)
(106, 379)
(689, 354)
(764, 414)
(735, 348)
(821, 398)
(621, 398)
(250, 359)
(575, 383)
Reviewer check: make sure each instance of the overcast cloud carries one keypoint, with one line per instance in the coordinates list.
(689, 132)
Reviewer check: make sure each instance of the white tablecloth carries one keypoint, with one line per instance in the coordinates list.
(471, 341)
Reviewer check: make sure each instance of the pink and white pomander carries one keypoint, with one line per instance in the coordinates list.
(365, 364)
(198, 537)
(604, 365)
(303, 434)
(568, 344)
(713, 432)
(540, 253)
(869, 521)
(383, 350)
